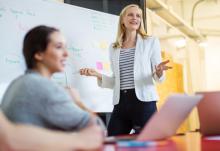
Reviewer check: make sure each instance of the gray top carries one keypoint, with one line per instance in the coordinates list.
(34, 99)
(126, 66)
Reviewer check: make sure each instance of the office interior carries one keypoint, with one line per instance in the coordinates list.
(189, 34)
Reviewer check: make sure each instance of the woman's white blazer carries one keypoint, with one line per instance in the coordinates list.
(147, 56)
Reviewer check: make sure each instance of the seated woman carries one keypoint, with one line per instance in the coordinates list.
(29, 138)
(33, 98)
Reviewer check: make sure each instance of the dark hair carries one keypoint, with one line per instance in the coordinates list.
(36, 40)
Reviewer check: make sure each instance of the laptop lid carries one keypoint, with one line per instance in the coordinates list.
(209, 113)
(166, 121)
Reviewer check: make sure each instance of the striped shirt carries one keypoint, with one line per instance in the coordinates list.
(126, 66)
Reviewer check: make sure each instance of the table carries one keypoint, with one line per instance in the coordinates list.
(191, 141)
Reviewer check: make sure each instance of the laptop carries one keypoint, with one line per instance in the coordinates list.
(166, 121)
(209, 113)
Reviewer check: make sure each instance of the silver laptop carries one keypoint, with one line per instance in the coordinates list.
(209, 113)
(166, 121)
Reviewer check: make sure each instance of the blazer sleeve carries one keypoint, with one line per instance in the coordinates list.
(108, 81)
(156, 59)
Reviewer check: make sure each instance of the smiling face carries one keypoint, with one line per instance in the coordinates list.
(53, 59)
(132, 18)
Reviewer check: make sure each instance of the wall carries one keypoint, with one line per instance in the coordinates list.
(212, 64)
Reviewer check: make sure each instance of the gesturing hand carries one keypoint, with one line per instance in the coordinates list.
(162, 67)
(90, 72)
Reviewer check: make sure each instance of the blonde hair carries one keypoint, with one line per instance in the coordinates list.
(121, 28)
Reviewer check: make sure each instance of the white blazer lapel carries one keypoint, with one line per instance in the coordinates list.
(138, 52)
(116, 61)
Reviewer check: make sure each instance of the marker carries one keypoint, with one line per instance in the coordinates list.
(135, 143)
(67, 83)
(75, 72)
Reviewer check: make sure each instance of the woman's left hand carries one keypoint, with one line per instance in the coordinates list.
(162, 67)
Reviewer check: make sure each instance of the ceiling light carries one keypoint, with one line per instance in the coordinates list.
(180, 43)
(203, 44)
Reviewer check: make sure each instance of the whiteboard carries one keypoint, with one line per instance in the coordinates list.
(88, 33)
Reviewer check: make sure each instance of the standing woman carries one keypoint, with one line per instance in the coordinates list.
(135, 60)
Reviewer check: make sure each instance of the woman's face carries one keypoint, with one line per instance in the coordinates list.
(54, 58)
(132, 18)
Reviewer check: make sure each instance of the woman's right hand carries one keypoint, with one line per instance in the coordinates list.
(90, 72)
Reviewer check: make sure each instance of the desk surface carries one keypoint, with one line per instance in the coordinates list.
(188, 142)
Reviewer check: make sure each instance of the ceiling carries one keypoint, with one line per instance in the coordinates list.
(206, 14)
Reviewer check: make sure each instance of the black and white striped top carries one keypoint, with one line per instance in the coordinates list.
(126, 66)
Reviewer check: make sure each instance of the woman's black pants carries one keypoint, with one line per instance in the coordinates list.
(129, 114)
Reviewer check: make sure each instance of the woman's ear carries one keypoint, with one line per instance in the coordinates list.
(39, 56)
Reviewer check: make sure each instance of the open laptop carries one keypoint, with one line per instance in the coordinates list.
(166, 121)
(209, 113)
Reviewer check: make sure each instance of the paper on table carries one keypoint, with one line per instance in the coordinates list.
(212, 137)
(109, 147)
